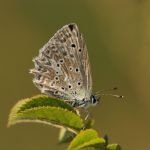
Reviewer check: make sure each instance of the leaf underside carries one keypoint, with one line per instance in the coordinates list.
(65, 136)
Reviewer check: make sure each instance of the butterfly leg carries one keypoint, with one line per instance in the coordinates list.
(88, 121)
(87, 114)
(73, 103)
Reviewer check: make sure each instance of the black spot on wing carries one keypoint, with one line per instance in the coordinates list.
(73, 45)
(71, 26)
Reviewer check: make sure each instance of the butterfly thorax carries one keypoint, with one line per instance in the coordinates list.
(85, 102)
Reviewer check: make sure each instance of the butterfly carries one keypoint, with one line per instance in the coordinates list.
(62, 68)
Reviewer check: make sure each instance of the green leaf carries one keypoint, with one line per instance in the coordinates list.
(41, 100)
(65, 136)
(45, 110)
(113, 147)
(87, 138)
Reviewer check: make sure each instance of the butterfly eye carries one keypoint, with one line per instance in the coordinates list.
(93, 100)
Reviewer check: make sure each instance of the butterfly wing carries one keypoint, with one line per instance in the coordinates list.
(62, 67)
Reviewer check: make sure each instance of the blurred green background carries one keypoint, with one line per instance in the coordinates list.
(117, 34)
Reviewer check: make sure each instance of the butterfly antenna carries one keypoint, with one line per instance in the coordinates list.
(117, 96)
(99, 93)
(111, 89)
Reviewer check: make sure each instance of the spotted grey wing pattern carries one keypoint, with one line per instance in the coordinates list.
(62, 67)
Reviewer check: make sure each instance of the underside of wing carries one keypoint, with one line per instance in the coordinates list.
(62, 67)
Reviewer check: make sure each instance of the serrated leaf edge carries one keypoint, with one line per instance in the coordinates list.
(12, 117)
(22, 102)
(82, 133)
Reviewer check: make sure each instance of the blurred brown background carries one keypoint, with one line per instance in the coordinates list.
(117, 34)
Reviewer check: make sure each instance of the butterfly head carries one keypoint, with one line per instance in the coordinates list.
(94, 100)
